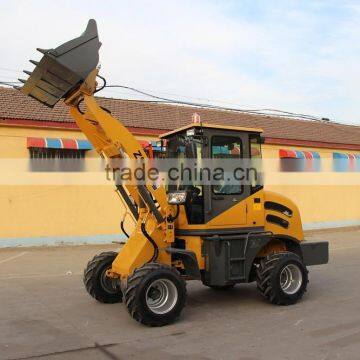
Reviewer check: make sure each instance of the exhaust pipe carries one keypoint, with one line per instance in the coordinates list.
(63, 69)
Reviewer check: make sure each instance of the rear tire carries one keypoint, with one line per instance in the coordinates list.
(282, 278)
(155, 294)
(97, 284)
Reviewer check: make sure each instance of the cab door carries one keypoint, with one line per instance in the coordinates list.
(224, 205)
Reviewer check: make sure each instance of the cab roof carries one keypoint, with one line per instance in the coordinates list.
(210, 126)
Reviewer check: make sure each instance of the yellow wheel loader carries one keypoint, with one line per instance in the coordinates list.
(220, 235)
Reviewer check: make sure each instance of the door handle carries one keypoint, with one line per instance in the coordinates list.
(235, 200)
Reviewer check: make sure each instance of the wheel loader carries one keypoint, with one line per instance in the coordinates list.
(219, 235)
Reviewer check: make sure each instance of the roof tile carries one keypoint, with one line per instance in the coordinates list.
(152, 115)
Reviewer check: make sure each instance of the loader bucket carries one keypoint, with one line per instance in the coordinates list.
(63, 69)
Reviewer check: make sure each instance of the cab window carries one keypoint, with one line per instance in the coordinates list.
(256, 178)
(227, 147)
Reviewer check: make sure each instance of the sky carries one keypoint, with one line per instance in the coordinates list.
(299, 56)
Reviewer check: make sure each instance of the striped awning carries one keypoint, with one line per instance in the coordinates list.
(346, 156)
(58, 143)
(295, 154)
(307, 160)
(346, 162)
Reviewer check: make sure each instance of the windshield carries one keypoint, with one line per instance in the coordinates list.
(175, 148)
(181, 150)
(184, 152)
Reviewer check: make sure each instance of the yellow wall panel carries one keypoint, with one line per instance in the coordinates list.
(75, 210)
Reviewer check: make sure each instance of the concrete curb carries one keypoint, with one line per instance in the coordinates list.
(109, 238)
(60, 240)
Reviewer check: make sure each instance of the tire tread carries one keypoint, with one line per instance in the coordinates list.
(265, 273)
(134, 281)
(90, 278)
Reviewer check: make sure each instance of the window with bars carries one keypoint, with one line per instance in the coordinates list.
(299, 161)
(345, 162)
(45, 159)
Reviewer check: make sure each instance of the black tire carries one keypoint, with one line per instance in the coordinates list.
(100, 287)
(154, 277)
(274, 275)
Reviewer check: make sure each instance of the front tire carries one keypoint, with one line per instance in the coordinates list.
(155, 294)
(98, 285)
(282, 278)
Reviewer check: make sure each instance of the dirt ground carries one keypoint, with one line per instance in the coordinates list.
(45, 313)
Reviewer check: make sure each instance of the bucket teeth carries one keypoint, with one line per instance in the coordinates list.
(64, 68)
(43, 51)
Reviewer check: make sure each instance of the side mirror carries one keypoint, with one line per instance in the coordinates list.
(177, 197)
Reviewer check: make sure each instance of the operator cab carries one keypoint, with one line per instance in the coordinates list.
(202, 146)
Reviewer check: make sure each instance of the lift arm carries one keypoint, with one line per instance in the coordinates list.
(69, 72)
(113, 140)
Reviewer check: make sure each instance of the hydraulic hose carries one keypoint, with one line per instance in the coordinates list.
(123, 229)
(152, 241)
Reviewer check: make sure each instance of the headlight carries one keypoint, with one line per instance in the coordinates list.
(176, 198)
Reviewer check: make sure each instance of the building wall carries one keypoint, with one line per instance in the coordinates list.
(36, 214)
(321, 205)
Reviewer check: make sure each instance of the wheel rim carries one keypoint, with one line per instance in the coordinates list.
(107, 283)
(291, 279)
(161, 296)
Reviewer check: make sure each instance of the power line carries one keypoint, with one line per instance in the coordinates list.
(261, 111)
(269, 112)
(228, 102)
(147, 93)
(189, 97)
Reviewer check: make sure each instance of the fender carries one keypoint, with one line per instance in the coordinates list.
(311, 253)
(257, 243)
(189, 260)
